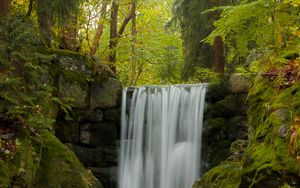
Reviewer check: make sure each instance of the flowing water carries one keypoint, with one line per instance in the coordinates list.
(161, 136)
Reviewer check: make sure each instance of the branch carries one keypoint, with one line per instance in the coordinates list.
(129, 17)
(100, 28)
(30, 7)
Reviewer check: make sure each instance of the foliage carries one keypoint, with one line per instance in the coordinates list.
(23, 84)
(267, 26)
(285, 76)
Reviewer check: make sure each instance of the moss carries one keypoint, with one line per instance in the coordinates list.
(226, 175)
(72, 77)
(266, 161)
(43, 161)
(67, 53)
(61, 168)
(23, 167)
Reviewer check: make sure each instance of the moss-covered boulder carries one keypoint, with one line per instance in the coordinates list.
(272, 156)
(41, 160)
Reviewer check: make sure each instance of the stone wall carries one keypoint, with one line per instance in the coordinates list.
(225, 121)
(90, 129)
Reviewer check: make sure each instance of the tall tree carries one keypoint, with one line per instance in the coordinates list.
(219, 47)
(114, 32)
(195, 27)
(4, 7)
(133, 45)
(45, 21)
(99, 30)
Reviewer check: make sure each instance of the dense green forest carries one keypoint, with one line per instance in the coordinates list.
(136, 42)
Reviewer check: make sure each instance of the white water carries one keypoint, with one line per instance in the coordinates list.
(161, 138)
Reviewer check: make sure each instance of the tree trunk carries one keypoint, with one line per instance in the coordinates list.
(69, 38)
(113, 35)
(219, 48)
(30, 7)
(4, 7)
(133, 52)
(219, 55)
(45, 21)
(100, 27)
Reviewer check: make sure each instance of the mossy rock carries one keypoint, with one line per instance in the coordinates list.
(269, 159)
(226, 175)
(60, 167)
(43, 161)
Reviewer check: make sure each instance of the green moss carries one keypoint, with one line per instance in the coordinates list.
(226, 175)
(43, 161)
(72, 77)
(23, 167)
(61, 168)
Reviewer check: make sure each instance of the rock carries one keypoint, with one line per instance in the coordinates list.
(237, 150)
(98, 134)
(283, 114)
(67, 131)
(105, 94)
(6, 136)
(283, 131)
(112, 114)
(108, 176)
(217, 89)
(96, 157)
(73, 63)
(75, 90)
(237, 128)
(238, 83)
(59, 167)
(89, 116)
(230, 106)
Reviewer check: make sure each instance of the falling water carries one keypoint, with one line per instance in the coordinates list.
(161, 136)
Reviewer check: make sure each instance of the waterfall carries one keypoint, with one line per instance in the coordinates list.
(161, 136)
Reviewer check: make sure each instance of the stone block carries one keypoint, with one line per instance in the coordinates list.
(88, 116)
(105, 93)
(107, 176)
(237, 128)
(98, 134)
(112, 114)
(74, 89)
(67, 131)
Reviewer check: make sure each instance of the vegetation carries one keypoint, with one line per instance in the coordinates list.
(148, 42)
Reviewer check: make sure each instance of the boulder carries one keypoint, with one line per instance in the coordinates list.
(67, 131)
(88, 116)
(108, 176)
(73, 87)
(239, 83)
(98, 134)
(105, 93)
(96, 157)
(237, 128)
